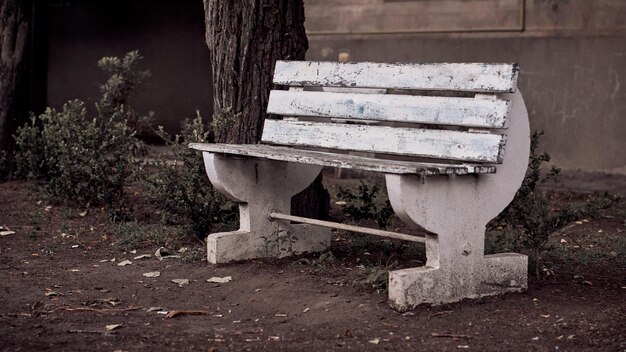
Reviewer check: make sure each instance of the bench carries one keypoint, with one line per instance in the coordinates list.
(452, 141)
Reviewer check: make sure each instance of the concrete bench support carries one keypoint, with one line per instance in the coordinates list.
(261, 186)
(456, 211)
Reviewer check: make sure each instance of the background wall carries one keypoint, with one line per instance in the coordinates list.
(168, 34)
(572, 55)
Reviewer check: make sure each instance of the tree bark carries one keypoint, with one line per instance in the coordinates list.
(14, 27)
(246, 38)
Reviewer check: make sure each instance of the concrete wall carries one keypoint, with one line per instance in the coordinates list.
(169, 34)
(572, 55)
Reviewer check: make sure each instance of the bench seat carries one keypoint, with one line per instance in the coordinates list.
(314, 157)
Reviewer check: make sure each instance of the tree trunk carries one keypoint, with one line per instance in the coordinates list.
(246, 38)
(14, 26)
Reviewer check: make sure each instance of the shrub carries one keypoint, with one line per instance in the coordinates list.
(81, 159)
(527, 223)
(4, 165)
(363, 204)
(85, 159)
(181, 188)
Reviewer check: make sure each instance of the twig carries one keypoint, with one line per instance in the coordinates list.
(454, 336)
(434, 315)
(574, 240)
(97, 310)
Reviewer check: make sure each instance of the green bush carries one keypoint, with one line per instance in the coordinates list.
(4, 165)
(527, 223)
(181, 188)
(81, 158)
(364, 204)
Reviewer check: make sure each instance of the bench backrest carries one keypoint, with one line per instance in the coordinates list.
(437, 111)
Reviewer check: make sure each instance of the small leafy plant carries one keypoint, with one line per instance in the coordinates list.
(364, 204)
(377, 276)
(133, 235)
(325, 261)
(181, 188)
(527, 223)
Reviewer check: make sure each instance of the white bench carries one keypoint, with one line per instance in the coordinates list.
(438, 133)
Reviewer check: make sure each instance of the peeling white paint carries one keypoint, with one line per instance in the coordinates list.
(471, 112)
(439, 144)
(470, 77)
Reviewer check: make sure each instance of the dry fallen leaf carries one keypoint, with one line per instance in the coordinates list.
(220, 280)
(124, 263)
(181, 282)
(5, 231)
(154, 309)
(152, 274)
(175, 313)
(112, 326)
(164, 253)
(143, 256)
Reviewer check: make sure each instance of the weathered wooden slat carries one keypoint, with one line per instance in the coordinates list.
(438, 144)
(470, 112)
(470, 77)
(343, 160)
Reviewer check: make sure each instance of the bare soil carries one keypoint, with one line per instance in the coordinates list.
(58, 293)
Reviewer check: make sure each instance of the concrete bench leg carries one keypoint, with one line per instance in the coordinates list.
(456, 267)
(456, 210)
(259, 186)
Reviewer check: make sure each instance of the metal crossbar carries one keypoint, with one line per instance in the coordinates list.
(352, 228)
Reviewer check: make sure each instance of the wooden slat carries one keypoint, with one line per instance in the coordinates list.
(471, 77)
(470, 112)
(438, 144)
(343, 160)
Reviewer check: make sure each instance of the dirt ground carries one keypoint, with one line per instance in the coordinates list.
(60, 291)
